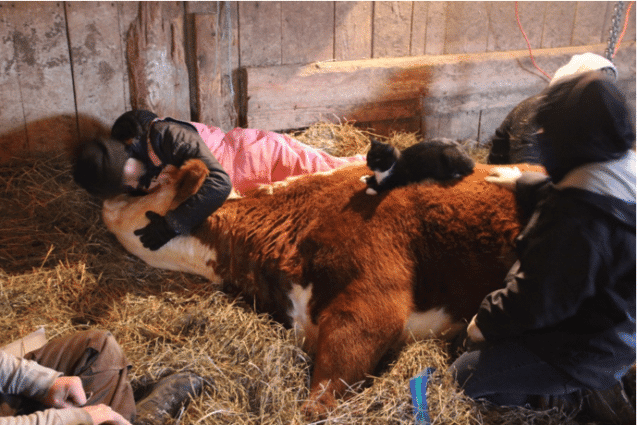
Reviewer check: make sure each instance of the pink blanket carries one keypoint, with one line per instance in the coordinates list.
(254, 157)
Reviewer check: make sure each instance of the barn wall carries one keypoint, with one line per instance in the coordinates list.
(70, 68)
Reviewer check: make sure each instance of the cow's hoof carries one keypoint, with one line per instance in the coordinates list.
(316, 409)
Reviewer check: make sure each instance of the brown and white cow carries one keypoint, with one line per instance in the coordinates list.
(355, 274)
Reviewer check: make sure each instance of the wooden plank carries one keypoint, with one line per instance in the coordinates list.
(589, 22)
(307, 31)
(559, 24)
(466, 27)
(459, 125)
(127, 13)
(96, 54)
(435, 29)
(419, 26)
(216, 52)
(392, 29)
(353, 30)
(294, 96)
(504, 33)
(260, 33)
(157, 64)
(44, 71)
(13, 136)
(201, 7)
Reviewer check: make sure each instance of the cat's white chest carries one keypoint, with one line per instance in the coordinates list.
(381, 175)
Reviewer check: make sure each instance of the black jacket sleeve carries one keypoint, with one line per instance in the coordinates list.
(500, 143)
(557, 270)
(176, 142)
(531, 189)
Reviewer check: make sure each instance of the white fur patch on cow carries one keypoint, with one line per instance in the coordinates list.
(299, 317)
(432, 323)
(186, 254)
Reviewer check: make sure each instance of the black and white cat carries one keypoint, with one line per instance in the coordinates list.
(439, 159)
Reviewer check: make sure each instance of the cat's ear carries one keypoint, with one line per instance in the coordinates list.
(375, 142)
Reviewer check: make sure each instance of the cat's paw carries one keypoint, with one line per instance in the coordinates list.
(371, 191)
(365, 179)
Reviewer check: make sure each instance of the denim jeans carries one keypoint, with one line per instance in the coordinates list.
(506, 373)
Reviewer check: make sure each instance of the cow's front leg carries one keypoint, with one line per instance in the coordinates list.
(353, 336)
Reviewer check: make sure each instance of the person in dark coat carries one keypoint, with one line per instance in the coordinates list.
(141, 145)
(514, 141)
(562, 331)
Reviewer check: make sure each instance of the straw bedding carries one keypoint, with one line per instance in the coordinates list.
(60, 268)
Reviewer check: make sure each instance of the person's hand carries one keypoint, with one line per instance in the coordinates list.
(102, 413)
(156, 233)
(474, 333)
(66, 391)
(504, 176)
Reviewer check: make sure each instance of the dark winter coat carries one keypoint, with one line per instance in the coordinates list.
(173, 142)
(514, 141)
(571, 297)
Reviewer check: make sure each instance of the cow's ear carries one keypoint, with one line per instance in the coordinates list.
(188, 179)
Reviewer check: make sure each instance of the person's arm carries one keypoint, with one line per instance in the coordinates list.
(29, 379)
(174, 143)
(556, 272)
(178, 143)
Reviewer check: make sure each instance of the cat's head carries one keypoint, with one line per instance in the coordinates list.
(381, 156)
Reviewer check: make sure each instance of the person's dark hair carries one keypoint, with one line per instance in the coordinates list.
(584, 119)
(132, 124)
(99, 165)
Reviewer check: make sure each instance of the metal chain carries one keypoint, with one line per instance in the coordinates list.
(616, 19)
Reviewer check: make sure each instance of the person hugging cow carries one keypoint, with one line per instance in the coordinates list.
(142, 144)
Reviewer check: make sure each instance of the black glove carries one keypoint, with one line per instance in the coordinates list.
(156, 233)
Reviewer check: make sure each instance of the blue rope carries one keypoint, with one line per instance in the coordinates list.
(418, 388)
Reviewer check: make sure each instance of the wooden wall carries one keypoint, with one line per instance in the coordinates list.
(70, 68)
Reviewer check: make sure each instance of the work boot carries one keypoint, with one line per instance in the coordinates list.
(166, 398)
(610, 406)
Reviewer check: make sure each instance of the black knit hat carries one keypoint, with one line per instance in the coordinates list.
(132, 124)
(99, 166)
(584, 119)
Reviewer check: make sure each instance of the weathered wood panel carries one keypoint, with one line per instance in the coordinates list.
(466, 27)
(504, 33)
(156, 58)
(44, 74)
(419, 28)
(453, 89)
(435, 28)
(307, 31)
(98, 64)
(13, 130)
(353, 30)
(392, 29)
(588, 23)
(260, 33)
(216, 52)
(559, 24)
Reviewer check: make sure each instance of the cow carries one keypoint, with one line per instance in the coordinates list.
(354, 275)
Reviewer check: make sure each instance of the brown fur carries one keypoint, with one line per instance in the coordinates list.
(372, 260)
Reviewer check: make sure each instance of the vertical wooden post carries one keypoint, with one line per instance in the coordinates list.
(217, 61)
(157, 66)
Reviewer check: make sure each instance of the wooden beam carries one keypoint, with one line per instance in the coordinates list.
(295, 96)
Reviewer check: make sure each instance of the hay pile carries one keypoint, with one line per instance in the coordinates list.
(60, 268)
